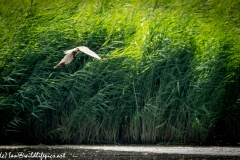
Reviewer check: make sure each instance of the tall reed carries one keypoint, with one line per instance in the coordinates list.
(170, 76)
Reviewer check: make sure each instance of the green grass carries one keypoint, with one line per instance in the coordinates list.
(172, 74)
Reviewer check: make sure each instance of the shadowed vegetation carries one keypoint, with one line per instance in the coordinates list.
(172, 74)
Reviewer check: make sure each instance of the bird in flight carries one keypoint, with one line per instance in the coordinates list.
(72, 53)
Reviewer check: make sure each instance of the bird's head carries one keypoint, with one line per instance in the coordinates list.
(74, 51)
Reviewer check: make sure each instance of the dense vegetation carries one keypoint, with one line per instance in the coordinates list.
(172, 74)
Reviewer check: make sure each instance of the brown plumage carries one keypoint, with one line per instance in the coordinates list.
(71, 54)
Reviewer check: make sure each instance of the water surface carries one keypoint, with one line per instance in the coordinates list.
(67, 152)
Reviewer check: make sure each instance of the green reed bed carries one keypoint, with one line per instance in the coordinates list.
(171, 73)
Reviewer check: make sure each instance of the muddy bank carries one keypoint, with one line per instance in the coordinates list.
(67, 152)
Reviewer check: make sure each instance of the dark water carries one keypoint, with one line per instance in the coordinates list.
(47, 153)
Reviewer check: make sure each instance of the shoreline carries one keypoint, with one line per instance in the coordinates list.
(185, 150)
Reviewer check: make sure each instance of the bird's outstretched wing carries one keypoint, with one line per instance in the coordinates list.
(88, 51)
(66, 60)
(70, 54)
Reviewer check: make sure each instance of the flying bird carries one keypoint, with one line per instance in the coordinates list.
(72, 53)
